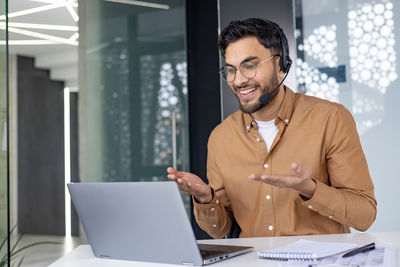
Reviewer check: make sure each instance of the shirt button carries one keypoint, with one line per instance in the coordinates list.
(247, 127)
(217, 201)
(267, 196)
(214, 225)
(258, 139)
(287, 121)
(310, 207)
(266, 165)
(330, 217)
(270, 228)
(212, 209)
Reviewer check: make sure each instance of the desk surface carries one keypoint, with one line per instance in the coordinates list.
(83, 256)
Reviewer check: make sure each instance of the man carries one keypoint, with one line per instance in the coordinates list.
(285, 163)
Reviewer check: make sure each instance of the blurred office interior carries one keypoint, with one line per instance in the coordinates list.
(118, 90)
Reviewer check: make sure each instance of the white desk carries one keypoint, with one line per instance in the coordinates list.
(82, 256)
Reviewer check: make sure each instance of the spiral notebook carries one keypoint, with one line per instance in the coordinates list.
(306, 250)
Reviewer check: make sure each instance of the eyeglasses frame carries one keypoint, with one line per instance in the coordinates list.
(221, 71)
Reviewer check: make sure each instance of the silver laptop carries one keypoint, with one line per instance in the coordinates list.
(142, 221)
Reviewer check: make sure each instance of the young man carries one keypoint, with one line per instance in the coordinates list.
(285, 163)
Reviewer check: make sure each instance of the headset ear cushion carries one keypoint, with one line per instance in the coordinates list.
(282, 63)
(285, 62)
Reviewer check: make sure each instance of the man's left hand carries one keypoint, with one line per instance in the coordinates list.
(299, 180)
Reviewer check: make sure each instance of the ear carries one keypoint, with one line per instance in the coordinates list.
(280, 73)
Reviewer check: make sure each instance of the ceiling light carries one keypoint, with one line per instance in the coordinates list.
(43, 36)
(28, 42)
(71, 10)
(74, 37)
(140, 3)
(19, 28)
(43, 26)
(32, 10)
(73, 3)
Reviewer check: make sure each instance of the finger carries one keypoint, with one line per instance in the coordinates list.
(284, 178)
(171, 170)
(183, 183)
(180, 174)
(275, 180)
(295, 166)
(262, 178)
(254, 176)
(266, 177)
(298, 170)
(172, 177)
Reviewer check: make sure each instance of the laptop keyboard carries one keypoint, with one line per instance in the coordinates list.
(210, 253)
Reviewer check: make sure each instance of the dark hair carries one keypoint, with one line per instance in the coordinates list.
(265, 31)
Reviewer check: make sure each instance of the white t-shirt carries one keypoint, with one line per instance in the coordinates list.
(268, 131)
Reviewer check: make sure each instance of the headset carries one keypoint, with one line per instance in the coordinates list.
(284, 63)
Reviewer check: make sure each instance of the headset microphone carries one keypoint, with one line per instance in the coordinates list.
(284, 63)
(265, 98)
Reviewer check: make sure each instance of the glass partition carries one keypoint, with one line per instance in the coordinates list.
(346, 53)
(4, 212)
(133, 90)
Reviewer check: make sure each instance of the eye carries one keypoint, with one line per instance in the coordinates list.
(230, 70)
(248, 66)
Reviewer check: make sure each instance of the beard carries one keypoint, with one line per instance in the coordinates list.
(246, 106)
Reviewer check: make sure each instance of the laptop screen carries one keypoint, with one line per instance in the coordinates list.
(140, 221)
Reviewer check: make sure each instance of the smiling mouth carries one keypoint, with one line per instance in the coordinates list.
(245, 92)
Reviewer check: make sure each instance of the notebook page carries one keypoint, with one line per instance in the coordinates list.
(381, 256)
(312, 249)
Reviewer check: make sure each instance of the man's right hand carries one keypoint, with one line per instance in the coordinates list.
(192, 184)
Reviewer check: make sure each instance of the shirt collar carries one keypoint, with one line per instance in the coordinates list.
(287, 107)
(284, 114)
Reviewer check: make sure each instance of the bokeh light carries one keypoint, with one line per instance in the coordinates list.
(316, 83)
(322, 44)
(372, 45)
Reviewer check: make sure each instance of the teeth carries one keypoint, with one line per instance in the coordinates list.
(247, 91)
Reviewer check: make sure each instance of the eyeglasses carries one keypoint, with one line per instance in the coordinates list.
(247, 69)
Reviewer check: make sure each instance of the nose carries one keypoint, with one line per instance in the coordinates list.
(240, 79)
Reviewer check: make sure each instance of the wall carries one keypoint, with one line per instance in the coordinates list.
(40, 151)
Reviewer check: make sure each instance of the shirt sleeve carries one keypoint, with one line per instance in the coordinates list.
(349, 198)
(216, 217)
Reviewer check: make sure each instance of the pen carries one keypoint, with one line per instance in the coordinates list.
(332, 265)
(365, 248)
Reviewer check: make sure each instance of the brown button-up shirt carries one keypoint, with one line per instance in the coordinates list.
(319, 135)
